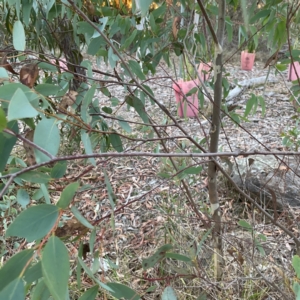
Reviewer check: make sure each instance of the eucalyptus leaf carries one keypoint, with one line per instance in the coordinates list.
(81, 218)
(144, 6)
(121, 291)
(47, 136)
(67, 195)
(23, 197)
(7, 143)
(56, 267)
(156, 257)
(116, 142)
(87, 145)
(19, 99)
(90, 294)
(19, 41)
(14, 291)
(3, 121)
(3, 73)
(168, 294)
(136, 69)
(41, 291)
(34, 223)
(14, 266)
(33, 273)
(47, 89)
(59, 169)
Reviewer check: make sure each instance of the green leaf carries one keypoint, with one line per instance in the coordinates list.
(193, 170)
(59, 169)
(90, 294)
(19, 41)
(178, 256)
(129, 40)
(156, 257)
(67, 195)
(34, 223)
(116, 142)
(19, 99)
(56, 267)
(136, 69)
(92, 240)
(138, 106)
(280, 35)
(3, 73)
(7, 142)
(281, 67)
(151, 289)
(114, 101)
(85, 28)
(296, 289)
(144, 5)
(88, 97)
(259, 247)
(105, 91)
(35, 177)
(296, 265)
(80, 218)
(87, 146)
(13, 267)
(261, 14)
(202, 296)
(23, 197)
(191, 92)
(168, 294)
(33, 273)
(245, 225)
(26, 9)
(262, 103)
(45, 192)
(229, 28)
(121, 291)
(124, 125)
(46, 135)
(107, 110)
(41, 291)
(14, 291)
(178, 47)
(112, 57)
(91, 275)
(47, 67)
(95, 45)
(251, 103)
(7, 91)
(3, 121)
(111, 195)
(47, 89)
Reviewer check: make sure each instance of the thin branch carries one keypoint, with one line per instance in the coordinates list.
(207, 19)
(152, 154)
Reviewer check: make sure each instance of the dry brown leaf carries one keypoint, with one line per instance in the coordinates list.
(70, 228)
(240, 258)
(29, 74)
(68, 100)
(4, 63)
(283, 168)
(90, 7)
(272, 60)
(176, 26)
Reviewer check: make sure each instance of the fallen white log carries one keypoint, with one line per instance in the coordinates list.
(248, 83)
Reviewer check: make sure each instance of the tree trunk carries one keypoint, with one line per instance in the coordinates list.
(214, 141)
